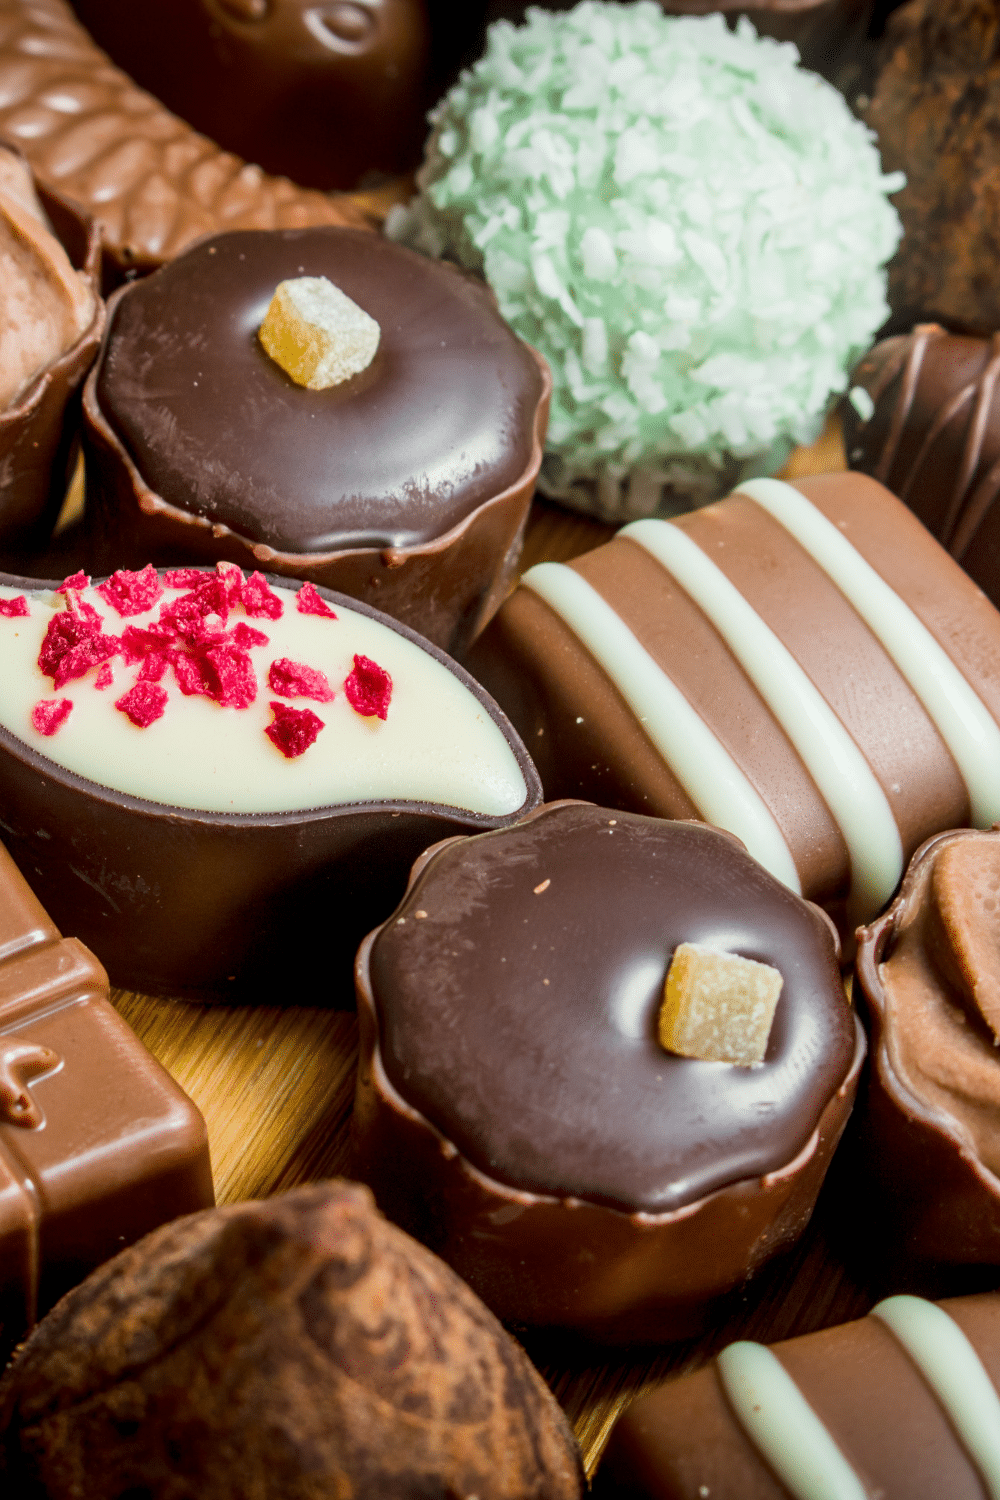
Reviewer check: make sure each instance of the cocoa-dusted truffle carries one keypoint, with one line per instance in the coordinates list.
(516, 1110)
(299, 1347)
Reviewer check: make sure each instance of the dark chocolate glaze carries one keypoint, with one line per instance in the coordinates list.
(522, 1022)
(442, 420)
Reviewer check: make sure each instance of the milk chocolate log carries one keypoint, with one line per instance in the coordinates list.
(300, 1347)
(901, 1405)
(515, 1109)
(928, 973)
(933, 437)
(49, 276)
(319, 93)
(151, 183)
(223, 785)
(801, 664)
(98, 1145)
(407, 485)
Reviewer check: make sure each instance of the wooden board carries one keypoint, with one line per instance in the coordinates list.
(276, 1085)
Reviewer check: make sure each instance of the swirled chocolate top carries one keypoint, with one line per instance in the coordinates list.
(518, 988)
(440, 422)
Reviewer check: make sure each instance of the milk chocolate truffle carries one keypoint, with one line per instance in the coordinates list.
(902, 1404)
(801, 664)
(515, 1109)
(923, 416)
(51, 320)
(299, 1347)
(407, 485)
(929, 973)
(220, 785)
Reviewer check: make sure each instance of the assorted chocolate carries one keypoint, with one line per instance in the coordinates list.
(98, 1145)
(800, 663)
(923, 418)
(929, 979)
(201, 772)
(407, 485)
(516, 1109)
(903, 1404)
(300, 1347)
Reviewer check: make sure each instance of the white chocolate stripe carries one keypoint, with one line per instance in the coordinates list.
(954, 1372)
(701, 763)
(959, 714)
(783, 1427)
(843, 776)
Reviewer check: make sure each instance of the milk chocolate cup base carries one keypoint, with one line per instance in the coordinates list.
(616, 1277)
(222, 907)
(39, 434)
(934, 1195)
(446, 589)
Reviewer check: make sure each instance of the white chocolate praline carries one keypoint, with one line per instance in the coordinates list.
(438, 744)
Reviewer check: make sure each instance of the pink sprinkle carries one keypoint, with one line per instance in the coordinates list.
(143, 704)
(11, 608)
(292, 679)
(74, 581)
(132, 593)
(309, 602)
(369, 688)
(293, 729)
(104, 678)
(260, 599)
(50, 713)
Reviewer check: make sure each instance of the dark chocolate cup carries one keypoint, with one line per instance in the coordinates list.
(224, 906)
(936, 1198)
(39, 435)
(447, 589)
(540, 1260)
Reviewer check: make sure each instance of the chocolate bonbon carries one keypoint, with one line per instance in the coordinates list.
(927, 976)
(801, 664)
(152, 183)
(98, 1145)
(924, 418)
(223, 784)
(904, 1403)
(407, 486)
(301, 1346)
(515, 1109)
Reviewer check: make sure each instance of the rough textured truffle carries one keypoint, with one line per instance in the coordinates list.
(299, 1347)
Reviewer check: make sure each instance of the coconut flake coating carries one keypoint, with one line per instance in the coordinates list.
(690, 227)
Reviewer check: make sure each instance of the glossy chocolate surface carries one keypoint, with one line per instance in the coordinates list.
(98, 1145)
(441, 421)
(321, 93)
(934, 438)
(523, 1023)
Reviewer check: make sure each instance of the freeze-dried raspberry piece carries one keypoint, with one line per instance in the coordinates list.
(309, 602)
(260, 600)
(293, 729)
(132, 593)
(11, 609)
(231, 672)
(75, 581)
(192, 675)
(369, 688)
(293, 679)
(104, 678)
(183, 578)
(154, 666)
(49, 713)
(143, 704)
(138, 643)
(73, 644)
(245, 636)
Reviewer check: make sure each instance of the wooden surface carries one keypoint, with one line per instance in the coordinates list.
(276, 1086)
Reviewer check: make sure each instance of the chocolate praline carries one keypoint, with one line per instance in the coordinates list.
(515, 1109)
(407, 485)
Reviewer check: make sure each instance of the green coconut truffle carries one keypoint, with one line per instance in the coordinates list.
(690, 227)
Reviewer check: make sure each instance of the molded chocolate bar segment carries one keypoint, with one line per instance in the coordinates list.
(902, 1405)
(98, 1145)
(801, 665)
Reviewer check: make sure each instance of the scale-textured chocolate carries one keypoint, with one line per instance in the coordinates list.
(98, 1145)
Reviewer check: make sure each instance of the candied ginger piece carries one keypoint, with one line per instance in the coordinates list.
(717, 1006)
(317, 334)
